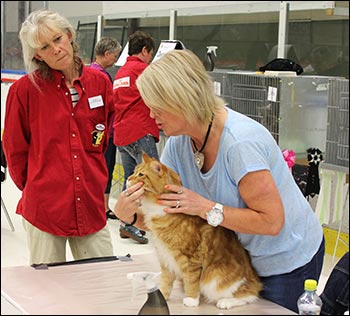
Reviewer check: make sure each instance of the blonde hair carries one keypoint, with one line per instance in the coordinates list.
(38, 23)
(178, 83)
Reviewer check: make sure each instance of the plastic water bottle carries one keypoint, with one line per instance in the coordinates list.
(309, 302)
(155, 303)
(208, 60)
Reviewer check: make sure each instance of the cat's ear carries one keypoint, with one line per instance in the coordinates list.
(145, 157)
(156, 166)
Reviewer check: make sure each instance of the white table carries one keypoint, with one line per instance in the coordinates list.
(99, 288)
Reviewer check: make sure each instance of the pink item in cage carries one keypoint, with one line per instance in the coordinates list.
(289, 157)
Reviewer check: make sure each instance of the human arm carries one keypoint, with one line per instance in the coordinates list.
(264, 213)
(16, 136)
(128, 204)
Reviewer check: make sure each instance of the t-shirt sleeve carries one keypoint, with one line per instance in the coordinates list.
(245, 157)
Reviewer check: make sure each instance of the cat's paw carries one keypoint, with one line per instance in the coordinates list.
(190, 301)
(226, 303)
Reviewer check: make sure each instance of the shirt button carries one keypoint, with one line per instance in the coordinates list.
(73, 135)
(72, 114)
(75, 156)
(77, 178)
(78, 199)
(66, 93)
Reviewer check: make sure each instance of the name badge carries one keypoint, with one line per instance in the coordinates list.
(122, 82)
(95, 102)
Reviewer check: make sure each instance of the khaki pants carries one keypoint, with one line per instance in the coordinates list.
(48, 248)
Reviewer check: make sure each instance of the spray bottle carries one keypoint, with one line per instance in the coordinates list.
(209, 60)
(155, 303)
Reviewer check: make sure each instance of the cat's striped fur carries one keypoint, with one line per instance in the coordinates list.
(210, 261)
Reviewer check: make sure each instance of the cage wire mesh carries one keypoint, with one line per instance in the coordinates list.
(337, 142)
(248, 94)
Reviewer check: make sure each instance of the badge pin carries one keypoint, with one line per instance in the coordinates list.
(100, 127)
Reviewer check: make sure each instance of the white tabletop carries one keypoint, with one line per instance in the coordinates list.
(99, 288)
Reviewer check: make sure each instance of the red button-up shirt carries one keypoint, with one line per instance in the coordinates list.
(55, 153)
(132, 118)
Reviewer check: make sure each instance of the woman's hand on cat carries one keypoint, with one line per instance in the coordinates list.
(129, 202)
(184, 201)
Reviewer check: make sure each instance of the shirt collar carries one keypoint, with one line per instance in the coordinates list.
(59, 77)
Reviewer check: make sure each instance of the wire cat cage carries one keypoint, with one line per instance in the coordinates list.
(337, 141)
(293, 109)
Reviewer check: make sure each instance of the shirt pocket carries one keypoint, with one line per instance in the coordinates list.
(95, 134)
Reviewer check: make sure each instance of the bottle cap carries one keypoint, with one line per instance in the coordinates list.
(310, 285)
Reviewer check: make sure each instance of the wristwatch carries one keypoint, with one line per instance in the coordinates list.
(216, 215)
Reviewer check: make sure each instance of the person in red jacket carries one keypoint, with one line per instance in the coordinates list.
(134, 130)
(55, 135)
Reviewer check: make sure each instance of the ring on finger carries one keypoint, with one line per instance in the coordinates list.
(180, 191)
(177, 204)
(138, 201)
(126, 192)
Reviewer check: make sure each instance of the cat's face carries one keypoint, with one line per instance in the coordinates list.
(154, 175)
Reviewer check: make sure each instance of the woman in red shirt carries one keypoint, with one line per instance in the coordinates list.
(55, 136)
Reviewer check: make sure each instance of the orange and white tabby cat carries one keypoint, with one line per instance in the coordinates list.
(209, 260)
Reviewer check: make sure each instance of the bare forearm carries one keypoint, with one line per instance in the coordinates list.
(248, 221)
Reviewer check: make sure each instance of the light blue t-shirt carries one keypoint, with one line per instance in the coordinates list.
(247, 146)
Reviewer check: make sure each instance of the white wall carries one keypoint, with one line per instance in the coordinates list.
(133, 9)
(85, 8)
(76, 8)
(121, 7)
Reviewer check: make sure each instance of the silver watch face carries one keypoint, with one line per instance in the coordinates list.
(215, 217)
